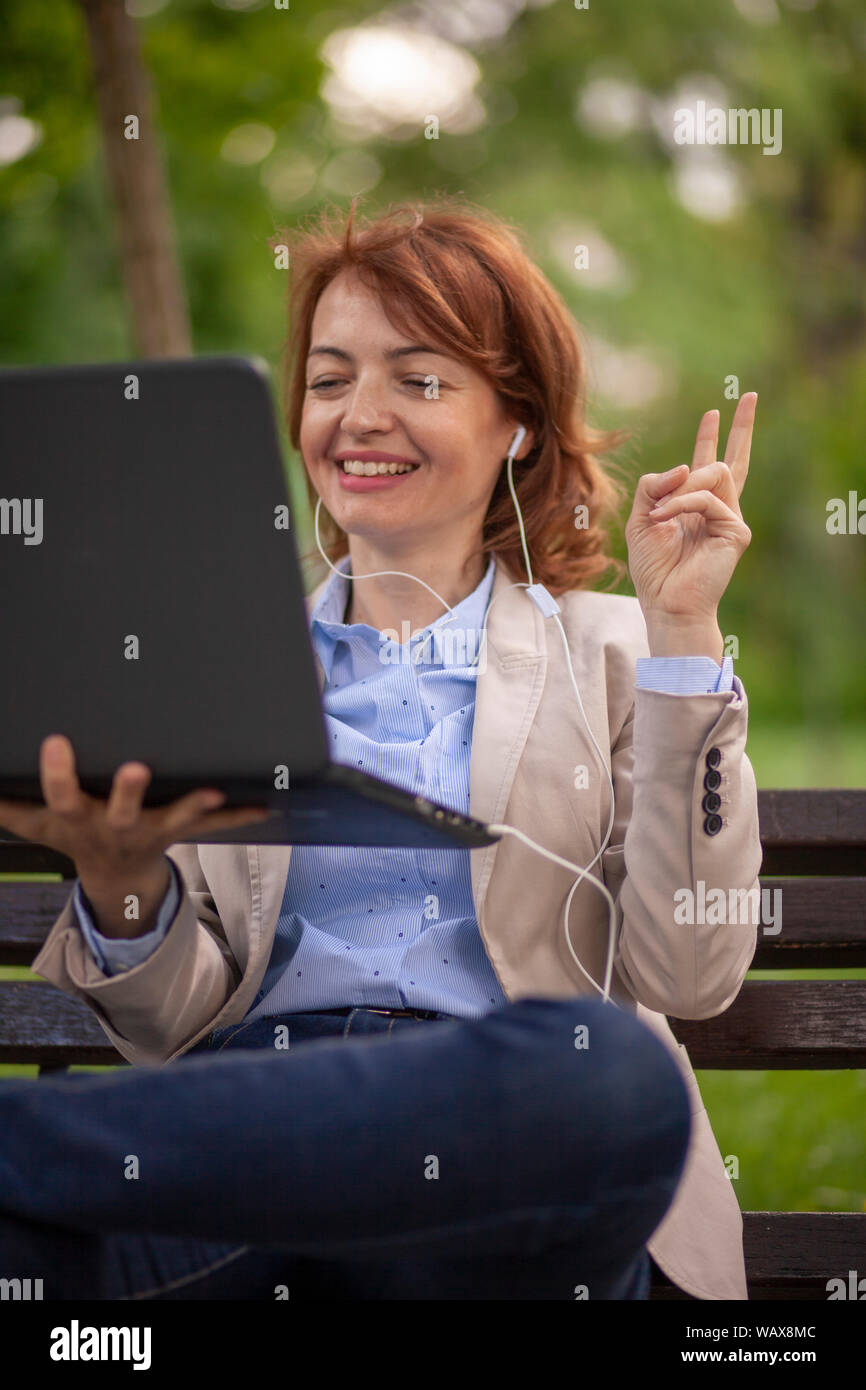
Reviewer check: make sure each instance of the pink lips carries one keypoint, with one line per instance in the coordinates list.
(355, 482)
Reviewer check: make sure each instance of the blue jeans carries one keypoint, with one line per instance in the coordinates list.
(505, 1157)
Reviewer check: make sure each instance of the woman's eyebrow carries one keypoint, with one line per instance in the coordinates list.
(391, 354)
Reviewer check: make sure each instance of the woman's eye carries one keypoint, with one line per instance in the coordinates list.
(420, 381)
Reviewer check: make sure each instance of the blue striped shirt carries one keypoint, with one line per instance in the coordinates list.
(389, 928)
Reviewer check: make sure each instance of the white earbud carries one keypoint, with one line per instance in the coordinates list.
(517, 440)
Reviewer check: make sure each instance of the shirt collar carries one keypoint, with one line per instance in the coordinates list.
(328, 629)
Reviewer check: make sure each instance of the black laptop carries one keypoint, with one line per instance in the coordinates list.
(152, 604)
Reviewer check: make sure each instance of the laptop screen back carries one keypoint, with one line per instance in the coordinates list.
(151, 600)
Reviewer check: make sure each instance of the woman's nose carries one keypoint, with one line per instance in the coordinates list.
(366, 409)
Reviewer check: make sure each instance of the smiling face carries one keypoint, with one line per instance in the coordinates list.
(369, 401)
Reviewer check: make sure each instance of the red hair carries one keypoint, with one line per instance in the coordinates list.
(462, 274)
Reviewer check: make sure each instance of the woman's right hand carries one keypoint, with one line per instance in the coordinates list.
(117, 845)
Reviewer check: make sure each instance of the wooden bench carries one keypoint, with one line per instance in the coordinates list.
(814, 851)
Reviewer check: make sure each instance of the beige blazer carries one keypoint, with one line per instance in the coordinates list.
(529, 739)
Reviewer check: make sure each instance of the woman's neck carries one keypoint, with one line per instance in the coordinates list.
(392, 600)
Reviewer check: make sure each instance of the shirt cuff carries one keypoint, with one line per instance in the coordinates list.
(685, 675)
(116, 955)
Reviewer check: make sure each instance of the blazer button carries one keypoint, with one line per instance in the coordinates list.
(714, 757)
(712, 780)
(712, 825)
(711, 802)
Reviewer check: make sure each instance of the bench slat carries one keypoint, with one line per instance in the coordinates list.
(28, 911)
(772, 1024)
(19, 857)
(823, 922)
(813, 816)
(813, 830)
(814, 1024)
(43, 1026)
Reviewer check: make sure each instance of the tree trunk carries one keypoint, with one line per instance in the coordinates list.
(151, 273)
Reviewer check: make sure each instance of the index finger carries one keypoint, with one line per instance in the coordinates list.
(739, 443)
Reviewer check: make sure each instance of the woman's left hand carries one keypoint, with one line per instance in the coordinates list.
(686, 532)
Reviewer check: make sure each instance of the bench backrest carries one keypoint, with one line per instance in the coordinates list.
(814, 858)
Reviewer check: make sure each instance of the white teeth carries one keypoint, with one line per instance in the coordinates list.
(369, 469)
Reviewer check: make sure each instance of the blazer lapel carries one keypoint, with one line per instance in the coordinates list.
(507, 693)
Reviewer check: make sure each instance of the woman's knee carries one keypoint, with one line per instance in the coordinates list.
(598, 1080)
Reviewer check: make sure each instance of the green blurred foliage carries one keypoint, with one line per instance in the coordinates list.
(773, 294)
(793, 1137)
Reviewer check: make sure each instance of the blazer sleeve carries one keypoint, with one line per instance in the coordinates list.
(155, 1008)
(665, 840)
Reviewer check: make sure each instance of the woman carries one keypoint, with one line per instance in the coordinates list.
(512, 1135)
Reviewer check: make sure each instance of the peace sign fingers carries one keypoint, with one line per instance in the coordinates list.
(740, 439)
